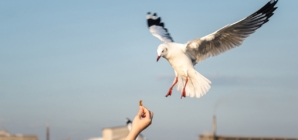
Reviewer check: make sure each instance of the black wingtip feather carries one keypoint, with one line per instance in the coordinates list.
(267, 11)
(156, 21)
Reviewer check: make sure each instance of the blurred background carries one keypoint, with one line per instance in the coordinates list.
(82, 66)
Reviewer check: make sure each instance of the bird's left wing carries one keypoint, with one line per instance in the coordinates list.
(156, 27)
(229, 36)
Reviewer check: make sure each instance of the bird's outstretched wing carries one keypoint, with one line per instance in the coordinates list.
(229, 36)
(156, 27)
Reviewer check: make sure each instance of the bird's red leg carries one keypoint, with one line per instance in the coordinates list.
(171, 88)
(183, 91)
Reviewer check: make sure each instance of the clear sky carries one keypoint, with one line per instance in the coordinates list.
(83, 65)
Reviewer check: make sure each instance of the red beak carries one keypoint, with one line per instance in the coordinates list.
(158, 57)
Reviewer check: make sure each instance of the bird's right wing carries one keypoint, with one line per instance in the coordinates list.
(156, 27)
(229, 36)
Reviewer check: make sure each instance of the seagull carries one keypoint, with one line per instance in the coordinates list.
(183, 57)
(128, 123)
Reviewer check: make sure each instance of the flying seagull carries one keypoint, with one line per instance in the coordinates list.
(183, 57)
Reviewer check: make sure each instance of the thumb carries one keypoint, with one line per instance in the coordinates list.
(141, 110)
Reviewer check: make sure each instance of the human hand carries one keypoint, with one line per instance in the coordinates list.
(142, 120)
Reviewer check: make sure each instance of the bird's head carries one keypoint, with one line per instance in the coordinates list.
(162, 51)
(128, 121)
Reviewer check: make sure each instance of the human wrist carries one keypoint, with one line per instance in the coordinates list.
(135, 131)
(132, 135)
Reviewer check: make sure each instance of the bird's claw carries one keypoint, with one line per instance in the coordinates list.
(169, 93)
(183, 94)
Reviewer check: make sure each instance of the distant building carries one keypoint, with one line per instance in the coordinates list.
(96, 138)
(218, 137)
(5, 135)
(47, 132)
(115, 133)
(214, 136)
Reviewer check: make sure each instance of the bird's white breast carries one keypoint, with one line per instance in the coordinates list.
(180, 62)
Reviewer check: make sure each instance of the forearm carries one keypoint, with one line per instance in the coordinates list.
(132, 135)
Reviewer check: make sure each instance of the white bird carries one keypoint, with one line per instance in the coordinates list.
(183, 57)
(128, 123)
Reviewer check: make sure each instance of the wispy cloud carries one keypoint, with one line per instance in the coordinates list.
(281, 83)
(258, 99)
(225, 80)
(216, 79)
(165, 77)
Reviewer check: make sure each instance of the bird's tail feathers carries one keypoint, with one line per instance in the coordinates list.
(197, 84)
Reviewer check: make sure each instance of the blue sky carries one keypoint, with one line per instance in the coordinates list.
(83, 65)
